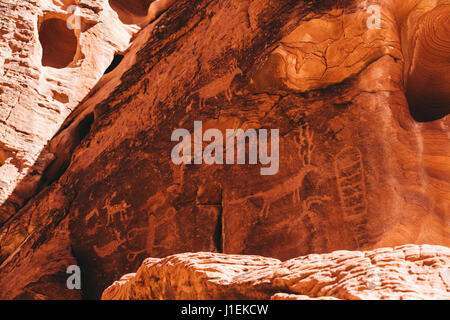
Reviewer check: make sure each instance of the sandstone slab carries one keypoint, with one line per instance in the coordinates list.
(406, 272)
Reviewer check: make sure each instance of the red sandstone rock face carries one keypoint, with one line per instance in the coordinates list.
(407, 272)
(357, 171)
(46, 69)
(52, 55)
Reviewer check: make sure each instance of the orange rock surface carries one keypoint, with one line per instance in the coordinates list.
(406, 272)
(85, 159)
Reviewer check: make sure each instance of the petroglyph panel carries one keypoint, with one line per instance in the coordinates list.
(288, 65)
(292, 185)
(349, 170)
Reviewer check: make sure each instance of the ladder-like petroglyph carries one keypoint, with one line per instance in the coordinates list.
(349, 170)
(291, 186)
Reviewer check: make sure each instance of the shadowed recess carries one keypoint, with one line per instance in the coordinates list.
(130, 11)
(428, 85)
(2, 158)
(115, 63)
(59, 43)
(62, 161)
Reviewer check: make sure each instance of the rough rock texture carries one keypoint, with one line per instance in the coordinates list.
(357, 170)
(427, 52)
(406, 272)
(46, 69)
(51, 56)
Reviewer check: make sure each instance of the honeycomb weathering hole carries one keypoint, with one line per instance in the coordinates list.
(130, 11)
(59, 43)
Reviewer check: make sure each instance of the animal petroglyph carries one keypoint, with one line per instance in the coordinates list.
(218, 86)
(111, 247)
(116, 209)
(291, 186)
(159, 213)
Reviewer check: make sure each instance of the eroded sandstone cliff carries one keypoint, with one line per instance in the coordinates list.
(361, 164)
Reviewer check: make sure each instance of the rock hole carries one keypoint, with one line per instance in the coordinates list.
(428, 82)
(429, 107)
(130, 11)
(84, 126)
(115, 63)
(59, 43)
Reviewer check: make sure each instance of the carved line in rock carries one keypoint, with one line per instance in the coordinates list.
(293, 185)
(159, 205)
